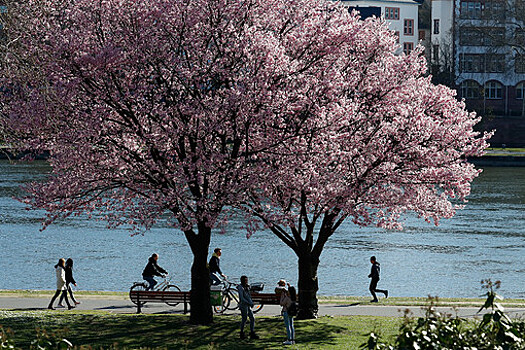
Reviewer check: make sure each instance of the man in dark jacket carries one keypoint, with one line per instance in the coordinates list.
(374, 275)
(215, 268)
(153, 269)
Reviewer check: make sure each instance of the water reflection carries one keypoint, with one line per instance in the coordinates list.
(485, 240)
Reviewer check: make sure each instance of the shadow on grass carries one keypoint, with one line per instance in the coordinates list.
(166, 331)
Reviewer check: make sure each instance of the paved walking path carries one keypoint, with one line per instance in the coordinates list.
(116, 304)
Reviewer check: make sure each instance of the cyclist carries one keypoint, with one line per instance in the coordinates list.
(215, 269)
(153, 269)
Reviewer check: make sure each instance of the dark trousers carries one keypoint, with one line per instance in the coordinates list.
(68, 288)
(64, 295)
(373, 288)
(151, 282)
(246, 312)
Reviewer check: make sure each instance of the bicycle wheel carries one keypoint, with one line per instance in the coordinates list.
(233, 302)
(257, 307)
(171, 288)
(225, 303)
(139, 286)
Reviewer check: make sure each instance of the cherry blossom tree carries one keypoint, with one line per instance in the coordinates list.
(391, 142)
(154, 108)
(297, 112)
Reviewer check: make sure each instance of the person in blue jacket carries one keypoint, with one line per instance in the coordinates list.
(245, 305)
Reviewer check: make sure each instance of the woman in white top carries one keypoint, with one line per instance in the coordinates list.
(61, 284)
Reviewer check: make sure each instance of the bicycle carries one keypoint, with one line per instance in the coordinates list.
(230, 298)
(164, 285)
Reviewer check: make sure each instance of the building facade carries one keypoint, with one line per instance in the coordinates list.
(402, 16)
(482, 44)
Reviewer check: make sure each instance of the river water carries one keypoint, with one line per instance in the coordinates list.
(485, 240)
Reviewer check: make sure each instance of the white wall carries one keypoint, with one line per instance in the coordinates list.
(407, 10)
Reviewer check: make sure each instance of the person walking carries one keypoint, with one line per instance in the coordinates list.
(245, 305)
(69, 281)
(286, 301)
(215, 267)
(374, 275)
(153, 269)
(61, 284)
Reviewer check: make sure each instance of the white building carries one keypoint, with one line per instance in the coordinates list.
(402, 16)
(482, 43)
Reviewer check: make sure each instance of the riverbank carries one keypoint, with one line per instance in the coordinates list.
(498, 157)
(337, 300)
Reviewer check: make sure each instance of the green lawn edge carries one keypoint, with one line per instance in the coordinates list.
(102, 330)
(392, 301)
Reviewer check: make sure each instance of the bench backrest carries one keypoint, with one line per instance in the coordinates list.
(159, 295)
(266, 298)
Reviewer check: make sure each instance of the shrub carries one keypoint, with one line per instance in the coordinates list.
(495, 331)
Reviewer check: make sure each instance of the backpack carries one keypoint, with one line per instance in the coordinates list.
(293, 308)
(293, 293)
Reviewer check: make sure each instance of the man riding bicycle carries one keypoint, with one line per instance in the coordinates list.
(215, 268)
(153, 269)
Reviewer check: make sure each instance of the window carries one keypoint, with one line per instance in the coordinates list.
(493, 36)
(471, 63)
(435, 53)
(519, 64)
(493, 90)
(422, 35)
(408, 28)
(478, 36)
(396, 33)
(494, 10)
(408, 47)
(469, 36)
(391, 12)
(470, 89)
(519, 37)
(494, 63)
(520, 90)
(436, 26)
(470, 10)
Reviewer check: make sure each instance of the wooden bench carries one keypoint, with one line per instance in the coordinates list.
(265, 298)
(140, 297)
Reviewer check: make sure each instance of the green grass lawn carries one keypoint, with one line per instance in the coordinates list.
(494, 151)
(28, 293)
(418, 301)
(172, 331)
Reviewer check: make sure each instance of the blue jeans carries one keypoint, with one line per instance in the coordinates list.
(288, 323)
(214, 278)
(246, 312)
(151, 282)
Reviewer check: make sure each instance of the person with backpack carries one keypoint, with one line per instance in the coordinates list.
(374, 275)
(288, 302)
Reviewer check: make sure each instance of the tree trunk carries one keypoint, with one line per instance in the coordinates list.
(308, 286)
(200, 305)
